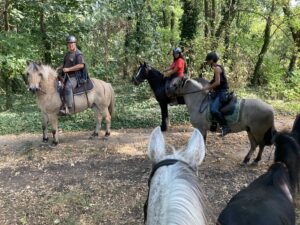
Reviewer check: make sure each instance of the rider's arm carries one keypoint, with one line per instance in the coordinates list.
(171, 71)
(216, 83)
(74, 68)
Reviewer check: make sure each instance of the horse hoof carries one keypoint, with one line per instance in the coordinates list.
(54, 143)
(107, 134)
(163, 128)
(94, 135)
(45, 140)
(254, 163)
(246, 160)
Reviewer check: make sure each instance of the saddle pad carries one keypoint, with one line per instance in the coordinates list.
(89, 85)
(231, 119)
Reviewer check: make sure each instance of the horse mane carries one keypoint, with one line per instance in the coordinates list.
(156, 71)
(182, 190)
(202, 81)
(287, 151)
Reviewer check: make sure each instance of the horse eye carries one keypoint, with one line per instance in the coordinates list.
(27, 74)
(40, 74)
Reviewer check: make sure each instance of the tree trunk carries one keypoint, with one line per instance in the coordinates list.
(207, 18)
(8, 95)
(227, 44)
(189, 20)
(296, 37)
(213, 17)
(45, 38)
(6, 15)
(256, 78)
(228, 12)
(126, 48)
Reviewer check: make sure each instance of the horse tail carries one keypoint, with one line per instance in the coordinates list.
(112, 102)
(269, 135)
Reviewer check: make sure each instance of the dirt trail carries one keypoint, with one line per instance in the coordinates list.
(105, 181)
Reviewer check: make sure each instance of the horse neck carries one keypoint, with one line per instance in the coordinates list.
(155, 80)
(48, 86)
(170, 187)
(194, 97)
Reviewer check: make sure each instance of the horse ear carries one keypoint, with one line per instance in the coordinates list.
(28, 62)
(141, 63)
(195, 151)
(156, 146)
(145, 64)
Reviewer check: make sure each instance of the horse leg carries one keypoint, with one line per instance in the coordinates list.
(252, 148)
(164, 116)
(54, 124)
(45, 120)
(107, 122)
(259, 155)
(98, 117)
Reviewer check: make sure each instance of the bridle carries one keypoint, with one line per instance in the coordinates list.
(166, 162)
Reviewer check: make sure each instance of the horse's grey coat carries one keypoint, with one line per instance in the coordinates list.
(256, 117)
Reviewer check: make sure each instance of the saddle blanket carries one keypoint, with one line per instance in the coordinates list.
(231, 119)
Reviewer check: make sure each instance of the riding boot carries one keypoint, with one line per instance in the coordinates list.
(225, 129)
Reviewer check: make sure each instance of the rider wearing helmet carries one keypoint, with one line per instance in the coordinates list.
(175, 73)
(177, 67)
(73, 69)
(219, 89)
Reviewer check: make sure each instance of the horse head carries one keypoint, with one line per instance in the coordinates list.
(193, 155)
(173, 180)
(141, 74)
(34, 74)
(287, 151)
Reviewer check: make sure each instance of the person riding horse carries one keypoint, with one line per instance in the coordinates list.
(219, 91)
(74, 73)
(175, 73)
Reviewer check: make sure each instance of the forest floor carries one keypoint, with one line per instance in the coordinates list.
(84, 181)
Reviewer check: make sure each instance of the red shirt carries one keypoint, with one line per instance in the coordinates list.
(179, 63)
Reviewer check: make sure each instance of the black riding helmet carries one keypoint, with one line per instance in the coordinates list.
(71, 39)
(212, 56)
(177, 50)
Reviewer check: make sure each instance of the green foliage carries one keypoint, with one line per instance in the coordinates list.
(115, 35)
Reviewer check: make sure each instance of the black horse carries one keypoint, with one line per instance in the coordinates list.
(269, 200)
(157, 83)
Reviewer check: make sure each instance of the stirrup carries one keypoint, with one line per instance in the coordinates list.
(64, 111)
(225, 131)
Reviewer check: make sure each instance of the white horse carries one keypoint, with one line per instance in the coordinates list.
(175, 196)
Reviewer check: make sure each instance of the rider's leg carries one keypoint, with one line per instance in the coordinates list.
(68, 96)
(215, 106)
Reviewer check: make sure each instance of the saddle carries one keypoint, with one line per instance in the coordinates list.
(229, 105)
(84, 87)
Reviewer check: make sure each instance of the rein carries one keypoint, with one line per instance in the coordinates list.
(166, 162)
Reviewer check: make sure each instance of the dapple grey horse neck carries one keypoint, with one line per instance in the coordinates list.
(42, 80)
(256, 117)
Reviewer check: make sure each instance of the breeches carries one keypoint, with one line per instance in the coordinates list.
(68, 91)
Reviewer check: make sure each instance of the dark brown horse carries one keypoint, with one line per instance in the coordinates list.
(269, 200)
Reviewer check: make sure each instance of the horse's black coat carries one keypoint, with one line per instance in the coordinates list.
(267, 200)
(157, 83)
